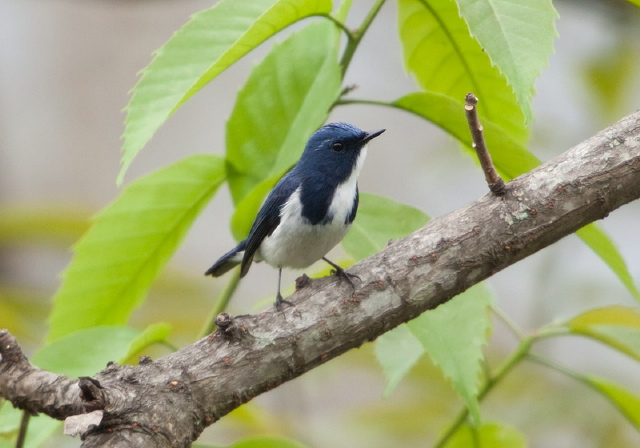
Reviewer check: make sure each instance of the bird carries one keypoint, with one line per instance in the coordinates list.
(310, 209)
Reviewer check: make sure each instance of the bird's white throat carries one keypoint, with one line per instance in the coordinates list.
(342, 200)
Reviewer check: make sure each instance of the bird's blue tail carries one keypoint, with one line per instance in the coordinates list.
(228, 261)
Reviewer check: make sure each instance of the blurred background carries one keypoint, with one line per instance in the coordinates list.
(65, 71)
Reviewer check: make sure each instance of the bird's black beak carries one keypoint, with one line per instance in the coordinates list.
(371, 135)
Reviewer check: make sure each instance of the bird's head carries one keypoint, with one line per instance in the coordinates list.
(336, 149)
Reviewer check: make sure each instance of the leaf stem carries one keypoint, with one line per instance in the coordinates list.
(343, 102)
(518, 355)
(358, 34)
(515, 329)
(560, 368)
(350, 35)
(223, 300)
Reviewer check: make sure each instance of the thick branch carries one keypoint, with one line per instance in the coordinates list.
(32, 389)
(169, 401)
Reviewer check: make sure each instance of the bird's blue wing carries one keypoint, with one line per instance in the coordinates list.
(268, 218)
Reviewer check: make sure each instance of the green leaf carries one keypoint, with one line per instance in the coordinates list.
(295, 87)
(85, 352)
(266, 442)
(489, 435)
(212, 41)
(625, 401)
(517, 35)
(453, 335)
(510, 157)
(40, 427)
(247, 209)
(343, 10)
(602, 245)
(444, 58)
(616, 326)
(154, 333)
(397, 351)
(129, 243)
(9, 418)
(379, 220)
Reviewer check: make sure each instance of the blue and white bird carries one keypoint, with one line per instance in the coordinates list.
(310, 209)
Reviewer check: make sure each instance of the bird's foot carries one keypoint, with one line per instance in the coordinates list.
(280, 301)
(344, 275)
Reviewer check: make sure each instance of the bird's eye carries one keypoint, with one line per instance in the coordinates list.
(338, 147)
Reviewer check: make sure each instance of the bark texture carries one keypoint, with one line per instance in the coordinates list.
(168, 402)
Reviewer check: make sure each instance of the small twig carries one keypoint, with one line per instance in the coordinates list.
(348, 89)
(496, 184)
(24, 424)
(515, 329)
(357, 36)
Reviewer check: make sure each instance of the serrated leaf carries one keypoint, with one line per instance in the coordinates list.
(397, 351)
(517, 35)
(603, 246)
(489, 435)
(295, 87)
(626, 402)
(129, 242)
(444, 58)
(379, 220)
(616, 326)
(208, 44)
(510, 157)
(453, 335)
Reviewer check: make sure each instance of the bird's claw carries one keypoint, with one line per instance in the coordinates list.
(280, 301)
(344, 275)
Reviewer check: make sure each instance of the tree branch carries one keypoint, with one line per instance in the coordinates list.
(168, 402)
(495, 182)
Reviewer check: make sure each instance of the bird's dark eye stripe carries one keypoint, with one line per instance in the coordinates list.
(338, 146)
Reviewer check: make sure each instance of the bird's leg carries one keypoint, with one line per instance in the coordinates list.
(279, 299)
(342, 273)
